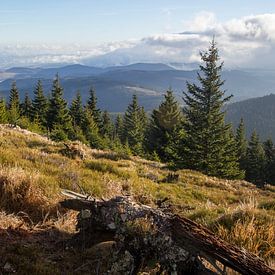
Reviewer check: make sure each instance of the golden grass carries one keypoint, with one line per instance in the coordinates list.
(10, 221)
(33, 170)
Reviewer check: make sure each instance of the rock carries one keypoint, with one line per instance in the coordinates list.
(112, 225)
(9, 268)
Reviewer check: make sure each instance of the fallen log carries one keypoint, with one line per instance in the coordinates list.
(180, 245)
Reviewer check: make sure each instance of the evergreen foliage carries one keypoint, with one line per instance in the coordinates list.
(14, 105)
(92, 106)
(107, 129)
(209, 142)
(91, 131)
(255, 160)
(26, 107)
(241, 144)
(14, 97)
(59, 118)
(269, 161)
(134, 128)
(76, 111)
(119, 127)
(40, 105)
(3, 111)
(166, 129)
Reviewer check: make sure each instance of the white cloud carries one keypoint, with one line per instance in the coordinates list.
(204, 22)
(243, 42)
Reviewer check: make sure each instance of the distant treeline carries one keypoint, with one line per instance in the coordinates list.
(195, 137)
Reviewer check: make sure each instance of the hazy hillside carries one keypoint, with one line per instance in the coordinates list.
(258, 114)
(115, 85)
(33, 228)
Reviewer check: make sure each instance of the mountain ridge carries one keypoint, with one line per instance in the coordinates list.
(156, 77)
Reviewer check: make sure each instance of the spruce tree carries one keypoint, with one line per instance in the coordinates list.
(59, 120)
(3, 111)
(143, 118)
(14, 96)
(241, 144)
(255, 162)
(208, 141)
(26, 107)
(134, 127)
(269, 162)
(76, 111)
(14, 105)
(166, 129)
(107, 129)
(92, 106)
(40, 105)
(119, 127)
(91, 131)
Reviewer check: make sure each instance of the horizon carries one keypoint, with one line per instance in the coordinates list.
(107, 34)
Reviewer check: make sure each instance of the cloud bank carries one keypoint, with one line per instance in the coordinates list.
(243, 42)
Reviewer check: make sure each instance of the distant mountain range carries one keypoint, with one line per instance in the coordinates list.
(116, 85)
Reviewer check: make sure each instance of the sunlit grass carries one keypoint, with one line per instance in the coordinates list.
(33, 170)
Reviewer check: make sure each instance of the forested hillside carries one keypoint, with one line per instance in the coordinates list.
(195, 137)
(258, 114)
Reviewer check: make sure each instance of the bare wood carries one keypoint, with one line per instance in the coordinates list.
(205, 241)
(182, 236)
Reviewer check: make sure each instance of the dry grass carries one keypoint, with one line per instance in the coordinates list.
(19, 192)
(33, 170)
(248, 234)
(249, 227)
(10, 221)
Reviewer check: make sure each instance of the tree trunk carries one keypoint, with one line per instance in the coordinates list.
(180, 245)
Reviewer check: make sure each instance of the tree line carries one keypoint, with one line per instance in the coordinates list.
(193, 137)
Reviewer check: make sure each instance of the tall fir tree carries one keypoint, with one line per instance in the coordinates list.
(26, 107)
(92, 106)
(14, 96)
(166, 129)
(78, 118)
(269, 162)
(3, 111)
(208, 138)
(144, 118)
(59, 118)
(40, 105)
(76, 110)
(90, 130)
(134, 128)
(14, 104)
(119, 127)
(241, 144)
(107, 129)
(255, 163)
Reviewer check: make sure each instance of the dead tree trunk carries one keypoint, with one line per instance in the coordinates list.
(179, 244)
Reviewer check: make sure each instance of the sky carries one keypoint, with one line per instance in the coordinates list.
(109, 32)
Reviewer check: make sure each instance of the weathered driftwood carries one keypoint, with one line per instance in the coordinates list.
(180, 245)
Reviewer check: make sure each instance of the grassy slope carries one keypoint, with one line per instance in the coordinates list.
(34, 169)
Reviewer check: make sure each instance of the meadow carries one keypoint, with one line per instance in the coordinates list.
(34, 169)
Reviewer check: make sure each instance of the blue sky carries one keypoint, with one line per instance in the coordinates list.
(94, 22)
(118, 32)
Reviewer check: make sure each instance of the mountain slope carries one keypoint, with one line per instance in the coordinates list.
(33, 170)
(258, 114)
